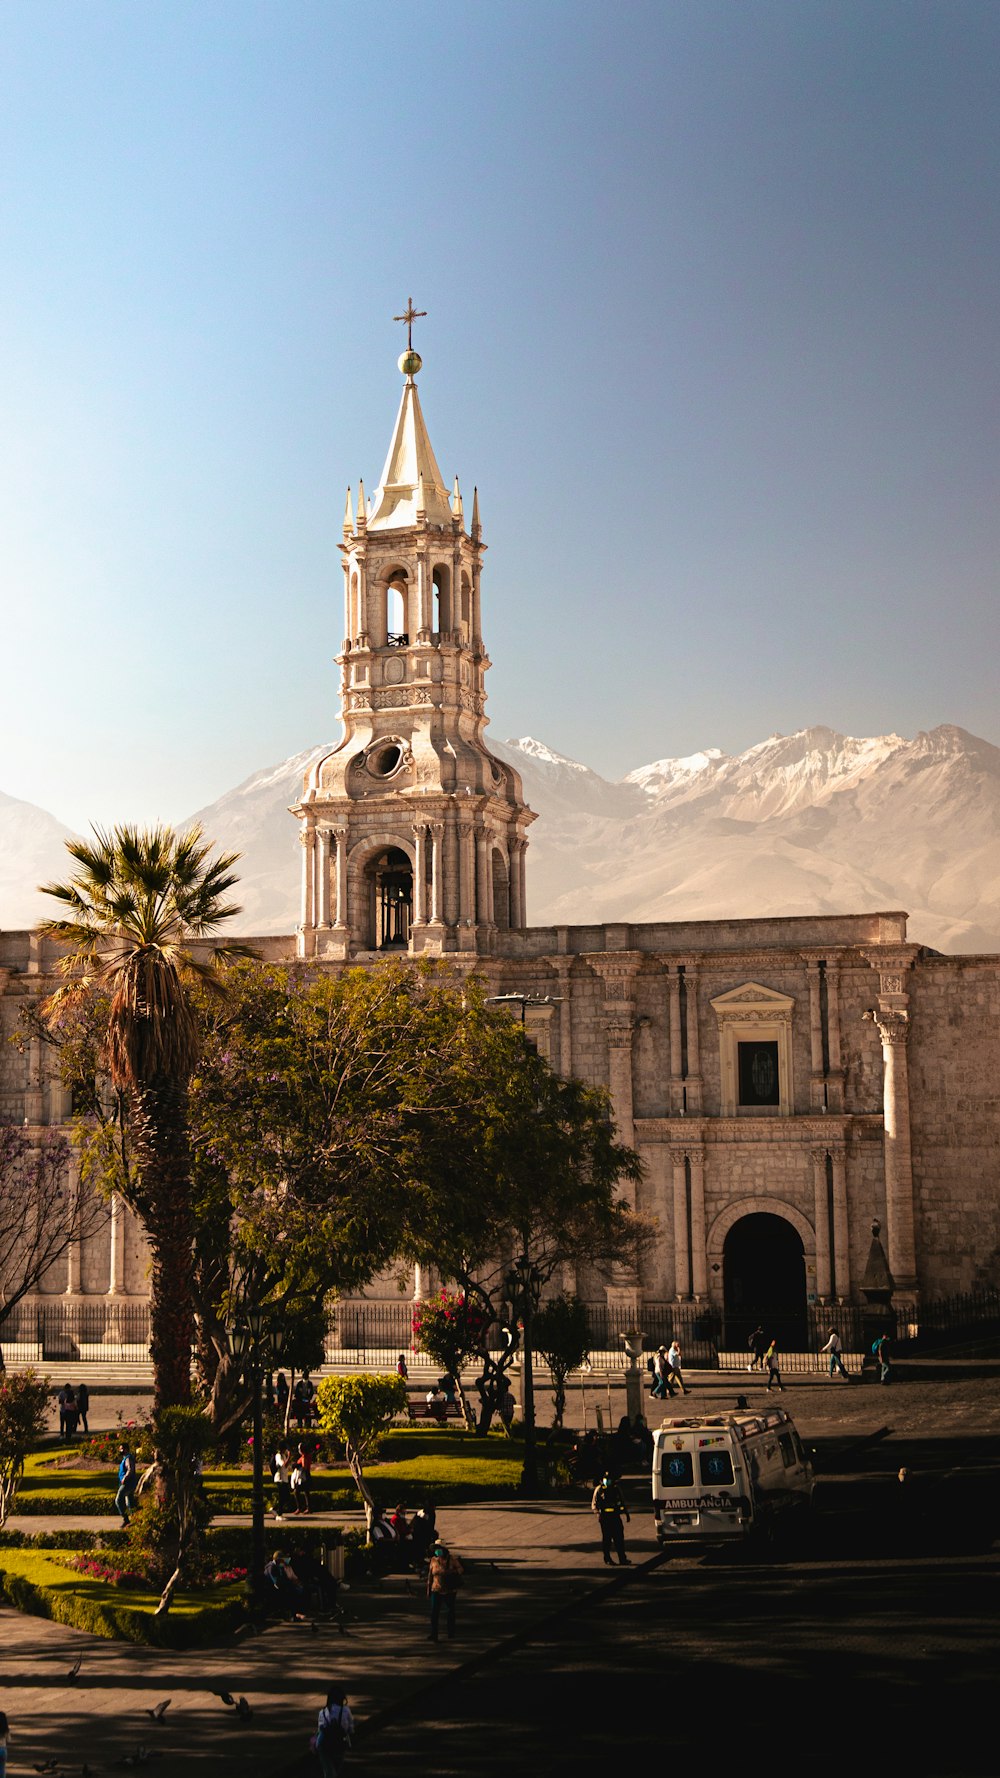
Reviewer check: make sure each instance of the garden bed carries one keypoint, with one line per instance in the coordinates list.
(40, 1582)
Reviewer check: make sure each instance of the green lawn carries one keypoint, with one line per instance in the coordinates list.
(448, 1462)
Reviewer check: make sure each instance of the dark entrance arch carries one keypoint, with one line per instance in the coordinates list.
(764, 1273)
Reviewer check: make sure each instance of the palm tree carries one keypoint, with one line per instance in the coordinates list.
(132, 907)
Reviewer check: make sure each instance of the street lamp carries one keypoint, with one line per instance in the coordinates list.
(634, 1343)
(523, 1285)
(256, 1344)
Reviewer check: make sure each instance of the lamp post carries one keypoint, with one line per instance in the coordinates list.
(633, 1341)
(523, 1285)
(256, 1345)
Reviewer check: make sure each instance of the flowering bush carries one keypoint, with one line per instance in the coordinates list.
(95, 1569)
(449, 1328)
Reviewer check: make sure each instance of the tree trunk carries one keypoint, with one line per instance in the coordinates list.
(163, 1162)
(354, 1464)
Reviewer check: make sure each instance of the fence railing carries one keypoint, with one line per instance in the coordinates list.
(373, 1333)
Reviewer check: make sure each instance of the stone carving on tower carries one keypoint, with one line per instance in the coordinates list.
(413, 834)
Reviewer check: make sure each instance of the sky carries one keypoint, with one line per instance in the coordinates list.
(712, 323)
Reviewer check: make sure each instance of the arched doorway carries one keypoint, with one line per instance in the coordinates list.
(764, 1274)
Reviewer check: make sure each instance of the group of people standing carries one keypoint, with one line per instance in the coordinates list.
(74, 1407)
(666, 1365)
(291, 1477)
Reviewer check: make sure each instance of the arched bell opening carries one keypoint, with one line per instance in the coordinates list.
(397, 625)
(390, 885)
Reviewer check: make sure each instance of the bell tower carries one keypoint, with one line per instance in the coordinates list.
(413, 835)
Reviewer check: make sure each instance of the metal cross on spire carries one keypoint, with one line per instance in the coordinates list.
(409, 315)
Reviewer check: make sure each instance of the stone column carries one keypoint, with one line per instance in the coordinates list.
(517, 884)
(676, 1047)
(323, 868)
(821, 1220)
(563, 967)
(308, 838)
(466, 873)
(340, 841)
(483, 883)
(116, 1264)
(619, 1027)
(699, 1258)
(894, 1030)
(835, 1078)
(522, 881)
(420, 874)
(682, 1234)
(817, 1092)
(437, 872)
(841, 1237)
(73, 1252)
(693, 1083)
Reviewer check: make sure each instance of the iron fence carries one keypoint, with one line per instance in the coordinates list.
(109, 1330)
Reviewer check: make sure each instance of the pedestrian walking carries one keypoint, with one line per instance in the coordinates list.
(608, 1504)
(281, 1398)
(83, 1405)
(299, 1483)
(402, 1368)
(663, 1383)
(882, 1350)
(757, 1344)
(835, 1350)
(334, 1729)
(282, 1465)
(66, 1400)
(676, 1374)
(127, 1476)
(773, 1372)
(444, 1577)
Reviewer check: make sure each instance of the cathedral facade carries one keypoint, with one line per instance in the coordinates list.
(786, 1081)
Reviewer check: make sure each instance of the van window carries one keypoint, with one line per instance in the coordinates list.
(787, 1448)
(676, 1469)
(716, 1468)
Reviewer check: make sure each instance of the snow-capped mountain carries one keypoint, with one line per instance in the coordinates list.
(814, 822)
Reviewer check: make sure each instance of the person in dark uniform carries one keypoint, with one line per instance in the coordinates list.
(609, 1505)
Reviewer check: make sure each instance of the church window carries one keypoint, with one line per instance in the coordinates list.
(755, 1051)
(758, 1070)
(384, 762)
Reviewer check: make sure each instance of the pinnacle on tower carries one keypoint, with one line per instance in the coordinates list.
(348, 517)
(476, 526)
(362, 509)
(457, 510)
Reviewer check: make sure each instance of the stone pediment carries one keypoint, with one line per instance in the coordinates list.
(752, 995)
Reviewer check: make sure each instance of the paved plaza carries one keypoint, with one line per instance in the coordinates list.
(538, 1601)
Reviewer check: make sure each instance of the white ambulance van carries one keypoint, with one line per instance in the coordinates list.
(720, 1477)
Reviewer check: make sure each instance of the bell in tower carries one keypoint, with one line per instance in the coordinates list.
(413, 834)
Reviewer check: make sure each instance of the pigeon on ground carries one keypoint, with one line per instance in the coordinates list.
(159, 1712)
(243, 1709)
(50, 1765)
(227, 1698)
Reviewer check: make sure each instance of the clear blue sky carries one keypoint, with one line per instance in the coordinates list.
(713, 319)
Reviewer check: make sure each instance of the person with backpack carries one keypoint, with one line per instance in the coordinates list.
(882, 1351)
(772, 1363)
(757, 1344)
(334, 1730)
(444, 1577)
(127, 1476)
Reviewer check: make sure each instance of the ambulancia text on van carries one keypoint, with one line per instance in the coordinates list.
(723, 1476)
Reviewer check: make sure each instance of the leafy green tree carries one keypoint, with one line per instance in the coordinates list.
(24, 1406)
(563, 1340)
(132, 907)
(357, 1410)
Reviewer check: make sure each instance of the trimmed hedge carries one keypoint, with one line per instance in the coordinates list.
(41, 1585)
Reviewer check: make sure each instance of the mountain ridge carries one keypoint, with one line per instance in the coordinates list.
(812, 822)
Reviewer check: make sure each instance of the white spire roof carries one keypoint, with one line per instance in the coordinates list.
(410, 461)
